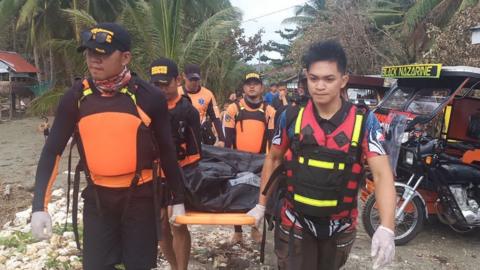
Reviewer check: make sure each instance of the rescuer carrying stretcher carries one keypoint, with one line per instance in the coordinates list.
(318, 151)
(121, 126)
(185, 126)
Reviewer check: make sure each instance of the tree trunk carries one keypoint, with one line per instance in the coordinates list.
(46, 67)
(37, 62)
(52, 64)
(14, 37)
(68, 68)
(77, 26)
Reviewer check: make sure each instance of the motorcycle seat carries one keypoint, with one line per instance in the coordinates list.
(461, 174)
(427, 148)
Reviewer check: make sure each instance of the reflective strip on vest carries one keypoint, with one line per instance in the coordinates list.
(326, 164)
(87, 92)
(446, 123)
(298, 123)
(321, 164)
(314, 202)
(132, 96)
(356, 129)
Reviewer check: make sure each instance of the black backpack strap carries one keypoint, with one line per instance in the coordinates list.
(291, 114)
(355, 151)
(76, 192)
(69, 177)
(239, 116)
(156, 201)
(275, 174)
(185, 96)
(263, 148)
(264, 240)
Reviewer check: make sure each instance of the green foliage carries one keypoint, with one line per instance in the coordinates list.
(417, 13)
(468, 3)
(53, 263)
(205, 32)
(306, 14)
(18, 240)
(46, 103)
(79, 17)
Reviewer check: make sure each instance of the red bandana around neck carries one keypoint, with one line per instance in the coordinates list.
(110, 86)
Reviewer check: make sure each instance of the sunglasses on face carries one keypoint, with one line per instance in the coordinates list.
(90, 53)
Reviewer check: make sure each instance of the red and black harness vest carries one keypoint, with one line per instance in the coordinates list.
(324, 171)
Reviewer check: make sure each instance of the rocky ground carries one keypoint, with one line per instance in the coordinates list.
(436, 247)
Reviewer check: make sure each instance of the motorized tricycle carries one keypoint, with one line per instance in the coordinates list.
(431, 121)
(366, 90)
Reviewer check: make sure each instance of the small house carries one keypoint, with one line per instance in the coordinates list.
(17, 76)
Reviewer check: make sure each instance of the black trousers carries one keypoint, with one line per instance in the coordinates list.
(309, 253)
(108, 240)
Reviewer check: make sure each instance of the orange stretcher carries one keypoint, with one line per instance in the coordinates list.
(204, 218)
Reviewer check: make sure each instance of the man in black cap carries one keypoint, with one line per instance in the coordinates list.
(119, 124)
(204, 101)
(185, 123)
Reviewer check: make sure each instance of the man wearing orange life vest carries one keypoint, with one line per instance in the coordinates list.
(203, 100)
(120, 124)
(249, 125)
(327, 140)
(185, 125)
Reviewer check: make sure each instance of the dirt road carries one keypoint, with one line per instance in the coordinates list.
(436, 247)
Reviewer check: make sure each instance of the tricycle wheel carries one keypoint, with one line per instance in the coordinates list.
(407, 226)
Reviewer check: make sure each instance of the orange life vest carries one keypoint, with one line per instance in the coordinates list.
(115, 140)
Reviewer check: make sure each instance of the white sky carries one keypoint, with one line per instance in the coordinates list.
(270, 23)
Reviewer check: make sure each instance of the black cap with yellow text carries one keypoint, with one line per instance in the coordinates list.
(252, 76)
(105, 38)
(163, 70)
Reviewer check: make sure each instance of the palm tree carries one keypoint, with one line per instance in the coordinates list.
(408, 19)
(188, 31)
(41, 19)
(158, 30)
(307, 13)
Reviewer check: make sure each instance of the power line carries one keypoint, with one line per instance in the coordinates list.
(269, 14)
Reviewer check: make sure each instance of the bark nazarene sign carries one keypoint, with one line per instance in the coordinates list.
(412, 71)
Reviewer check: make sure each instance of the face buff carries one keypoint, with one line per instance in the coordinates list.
(253, 104)
(110, 86)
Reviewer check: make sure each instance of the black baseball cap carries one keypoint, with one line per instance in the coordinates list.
(163, 70)
(252, 76)
(192, 72)
(105, 38)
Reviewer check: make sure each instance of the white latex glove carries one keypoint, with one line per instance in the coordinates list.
(258, 212)
(176, 210)
(41, 225)
(383, 247)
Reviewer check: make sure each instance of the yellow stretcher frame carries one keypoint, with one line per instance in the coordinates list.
(204, 218)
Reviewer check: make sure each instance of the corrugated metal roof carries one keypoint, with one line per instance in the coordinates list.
(17, 63)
